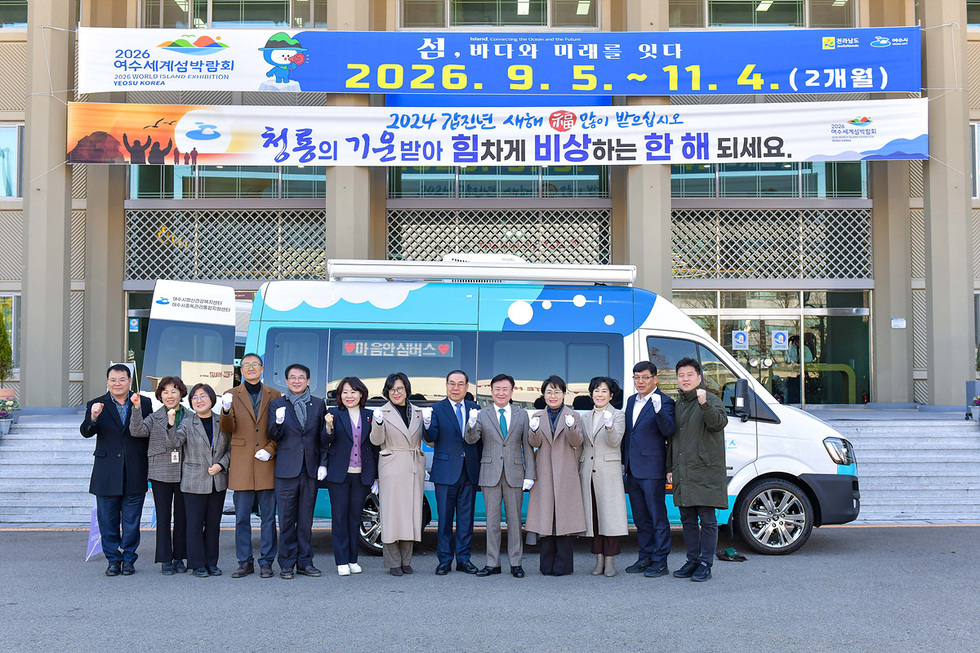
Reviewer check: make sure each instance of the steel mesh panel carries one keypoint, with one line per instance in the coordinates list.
(79, 178)
(920, 392)
(917, 243)
(916, 182)
(772, 244)
(976, 244)
(76, 330)
(973, 73)
(537, 235)
(75, 392)
(78, 245)
(920, 328)
(11, 243)
(13, 71)
(216, 244)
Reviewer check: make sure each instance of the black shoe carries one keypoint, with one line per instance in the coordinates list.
(201, 572)
(657, 570)
(167, 568)
(112, 569)
(467, 566)
(395, 571)
(407, 569)
(487, 571)
(180, 567)
(517, 572)
(244, 569)
(265, 571)
(444, 568)
(311, 571)
(702, 573)
(286, 573)
(213, 570)
(128, 569)
(639, 566)
(687, 570)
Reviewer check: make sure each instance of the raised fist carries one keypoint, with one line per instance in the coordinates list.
(280, 415)
(607, 417)
(702, 395)
(535, 423)
(171, 416)
(226, 401)
(471, 422)
(135, 400)
(97, 410)
(569, 421)
(378, 417)
(329, 420)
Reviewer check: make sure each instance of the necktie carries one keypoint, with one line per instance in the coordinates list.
(459, 416)
(503, 423)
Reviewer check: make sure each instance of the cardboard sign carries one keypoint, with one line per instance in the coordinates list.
(218, 376)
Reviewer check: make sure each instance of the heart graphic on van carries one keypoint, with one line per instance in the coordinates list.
(349, 347)
(443, 349)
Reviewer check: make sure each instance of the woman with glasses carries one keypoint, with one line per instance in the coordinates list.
(164, 472)
(397, 428)
(204, 479)
(555, 507)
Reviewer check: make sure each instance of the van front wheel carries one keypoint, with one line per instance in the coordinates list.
(774, 517)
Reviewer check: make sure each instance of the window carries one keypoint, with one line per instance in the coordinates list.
(717, 377)
(201, 14)
(419, 14)
(13, 13)
(10, 313)
(190, 182)
(169, 343)
(487, 181)
(11, 140)
(762, 13)
(289, 346)
(972, 12)
(818, 179)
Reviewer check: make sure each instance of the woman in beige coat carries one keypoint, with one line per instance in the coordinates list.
(397, 428)
(602, 476)
(555, 508)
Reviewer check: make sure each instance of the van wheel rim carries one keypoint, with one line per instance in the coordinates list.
(776, 518)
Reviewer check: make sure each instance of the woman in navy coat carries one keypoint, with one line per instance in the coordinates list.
(352, 469)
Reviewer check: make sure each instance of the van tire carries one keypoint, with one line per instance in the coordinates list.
(369, 532)
(774, 516)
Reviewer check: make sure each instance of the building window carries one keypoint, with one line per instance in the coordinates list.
(762, 13)
(226, 182)
(816, 179)
(975, 155)
(420, 14)
(972, 12)
(10, 312)
(496, 182)
(201, 14)
(11, 140)
(13, 13)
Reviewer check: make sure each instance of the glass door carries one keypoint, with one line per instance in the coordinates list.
(769, 348)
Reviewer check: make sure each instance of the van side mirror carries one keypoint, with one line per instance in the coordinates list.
(742, 395)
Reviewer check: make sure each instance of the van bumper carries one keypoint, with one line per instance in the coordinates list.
(838, 496)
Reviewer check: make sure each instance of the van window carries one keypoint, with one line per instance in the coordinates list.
(290, 346)
(664, 353)
(169, 343)
(718, 378)
(426, 357)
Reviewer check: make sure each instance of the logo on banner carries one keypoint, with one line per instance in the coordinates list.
(163, 301)
(740, 340)
(829, 42)
(881, 42)
(203, 132)
(863, 121)
(285, 54)
(202, 46)
(562, 120)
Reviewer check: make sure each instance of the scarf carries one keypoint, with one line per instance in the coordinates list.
(299, 405)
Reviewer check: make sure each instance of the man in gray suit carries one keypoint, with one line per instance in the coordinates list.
(506, 470)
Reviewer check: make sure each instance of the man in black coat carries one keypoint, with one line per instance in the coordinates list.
(119, 473)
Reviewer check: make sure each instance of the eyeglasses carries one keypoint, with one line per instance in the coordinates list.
(553, 393)
(295, 378)
(200, 398)
(461, 384)
(251, 366)
(398, 389)
(642, 377)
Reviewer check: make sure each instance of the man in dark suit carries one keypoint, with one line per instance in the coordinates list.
(119, 473)
(649, 422)
(455, 472)
(297, 424)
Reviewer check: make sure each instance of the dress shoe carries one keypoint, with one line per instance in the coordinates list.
(112, 569)
(467, 566)
(201, 572)
(265, 571)
(600, 561)
(395, 571)
(311, 571)
(687, 570)
(355, 568)
(657, 570)
(286, 574)
(639, 566)
(443, 568)
(517, 572)
(128, 569)
(343, 570)
(244, 569)
(180, 567)
(702, 573)
(609, 568)
(487, 571)
(213, 570)
(167, 568)
(407, 569)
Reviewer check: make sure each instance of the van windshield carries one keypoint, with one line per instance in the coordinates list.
(172, 346)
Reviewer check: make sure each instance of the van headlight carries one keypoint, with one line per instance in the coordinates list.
(840, 450)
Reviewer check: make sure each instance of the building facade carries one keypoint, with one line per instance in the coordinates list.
(874, 267)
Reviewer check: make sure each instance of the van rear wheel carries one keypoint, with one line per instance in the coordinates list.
(774, 517)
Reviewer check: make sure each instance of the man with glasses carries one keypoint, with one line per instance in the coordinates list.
(297, 423)
(251, 475)
(649, 422)
(455, 472)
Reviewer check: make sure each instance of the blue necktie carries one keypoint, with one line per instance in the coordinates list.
(459, 416)
(503, 424)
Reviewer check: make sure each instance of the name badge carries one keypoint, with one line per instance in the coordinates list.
(175, 456)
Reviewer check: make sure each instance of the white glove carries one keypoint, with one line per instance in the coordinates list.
(263, 455)
(378, 417)
(374, 487)
(569, 421)
(427, 416)
(321, 473)
(471, 422)
(607, 417)
(280, 415)
(226, 401)
(656, 402)
(535, 423)
(528, 484)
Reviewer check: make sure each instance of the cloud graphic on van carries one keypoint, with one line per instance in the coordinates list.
(287, 296)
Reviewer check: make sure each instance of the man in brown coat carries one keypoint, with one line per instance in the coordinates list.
(251, 474)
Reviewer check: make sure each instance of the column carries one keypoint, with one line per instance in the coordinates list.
(948, 219)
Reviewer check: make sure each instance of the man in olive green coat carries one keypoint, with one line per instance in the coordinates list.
(696, 460)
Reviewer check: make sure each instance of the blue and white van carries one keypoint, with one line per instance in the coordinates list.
(787, 470)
